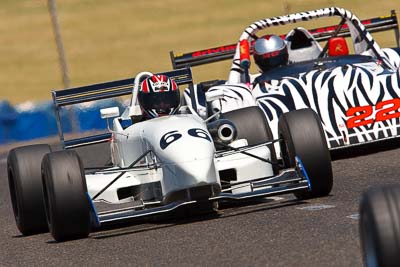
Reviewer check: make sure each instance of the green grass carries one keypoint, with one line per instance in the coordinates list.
(109, 40)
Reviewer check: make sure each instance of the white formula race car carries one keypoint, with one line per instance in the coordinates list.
(164, 164)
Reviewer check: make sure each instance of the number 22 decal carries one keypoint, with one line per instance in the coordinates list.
(363, 115)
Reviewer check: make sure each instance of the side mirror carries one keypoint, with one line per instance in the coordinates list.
(131, 111)
(112, 112)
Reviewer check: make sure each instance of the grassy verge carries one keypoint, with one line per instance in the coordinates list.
(108, 40)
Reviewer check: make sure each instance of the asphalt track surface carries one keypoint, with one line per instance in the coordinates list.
(277, 232)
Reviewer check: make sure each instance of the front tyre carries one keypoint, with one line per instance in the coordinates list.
(25, 184)
(302, 135)
(380, 226)
(65, 194)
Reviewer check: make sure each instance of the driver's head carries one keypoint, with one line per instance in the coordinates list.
(270, 51)
(159, 95)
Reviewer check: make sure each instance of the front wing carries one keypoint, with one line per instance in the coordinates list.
(288, 181)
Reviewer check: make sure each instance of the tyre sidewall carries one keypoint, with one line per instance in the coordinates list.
(67, 206)
(380, 225)
(25, 185)
(302, 135)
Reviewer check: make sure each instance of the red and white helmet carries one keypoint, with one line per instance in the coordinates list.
(159, 95)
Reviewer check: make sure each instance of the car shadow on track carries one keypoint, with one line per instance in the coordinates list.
(365, 149)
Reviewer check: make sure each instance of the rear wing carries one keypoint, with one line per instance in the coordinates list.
(219, 53)
(77, 95)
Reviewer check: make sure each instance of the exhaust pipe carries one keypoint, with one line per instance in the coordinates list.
(223, 131)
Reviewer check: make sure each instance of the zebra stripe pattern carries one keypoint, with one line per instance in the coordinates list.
(331, 93)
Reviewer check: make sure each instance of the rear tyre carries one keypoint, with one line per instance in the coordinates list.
(25, 184)
(302, 135)
(251, 124)
(380, 226)
(65, 195)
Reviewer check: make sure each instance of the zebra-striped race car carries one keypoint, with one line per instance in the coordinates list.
(354, 90)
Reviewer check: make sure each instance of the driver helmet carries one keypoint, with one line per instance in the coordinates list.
(159, 96)
(270, 51)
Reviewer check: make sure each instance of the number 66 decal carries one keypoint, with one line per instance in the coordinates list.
(363, 115)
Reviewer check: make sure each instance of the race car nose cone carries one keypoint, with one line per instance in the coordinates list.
(185, 150)
(189, 174)
(193, 165)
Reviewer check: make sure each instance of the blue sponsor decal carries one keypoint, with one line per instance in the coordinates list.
(196, 132)
(173, 136)
(169, 138)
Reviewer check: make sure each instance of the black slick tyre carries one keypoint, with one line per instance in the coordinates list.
(380, 226)
(65, 195)
(302, 135)
(25, 185)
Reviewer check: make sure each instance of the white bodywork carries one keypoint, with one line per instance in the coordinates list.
(247, 168)
(183, 160)
(186, 162)
(182, 155)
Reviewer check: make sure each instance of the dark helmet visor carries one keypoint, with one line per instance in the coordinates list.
(160, 100)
